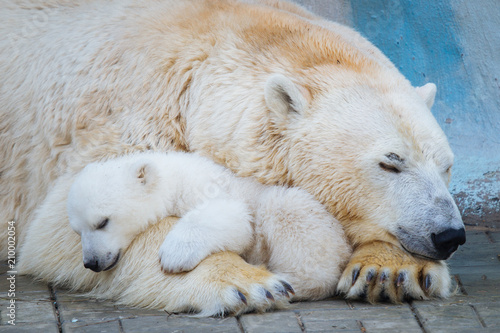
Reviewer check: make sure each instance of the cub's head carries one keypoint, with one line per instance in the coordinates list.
(108, 205)
(367, 146)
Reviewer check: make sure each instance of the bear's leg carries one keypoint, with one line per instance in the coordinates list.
(299, 240)
(380, 270)
(216, 225)
(223, 282)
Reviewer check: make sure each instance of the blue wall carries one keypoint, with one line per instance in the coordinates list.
(455, 44)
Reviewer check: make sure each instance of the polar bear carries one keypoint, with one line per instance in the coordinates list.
(264, 88)
(111, 202)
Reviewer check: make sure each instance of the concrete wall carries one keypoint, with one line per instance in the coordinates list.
(455, 44)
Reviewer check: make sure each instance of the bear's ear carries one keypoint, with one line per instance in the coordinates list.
(428, 93)
(283, 96)
(145, 173)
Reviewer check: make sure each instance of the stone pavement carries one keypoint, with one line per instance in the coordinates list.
(476, 307)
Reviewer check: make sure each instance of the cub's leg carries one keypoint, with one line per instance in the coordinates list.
(214, 226)
(296, 238)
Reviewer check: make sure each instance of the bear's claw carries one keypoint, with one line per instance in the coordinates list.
(380, 271)
(370, 275)
(427, 282)
(288, 287)
(242, 297)
(269, 296)
(400, 280)
(355, 275)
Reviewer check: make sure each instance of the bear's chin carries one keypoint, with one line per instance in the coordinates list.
(429, 255)
(115, 262)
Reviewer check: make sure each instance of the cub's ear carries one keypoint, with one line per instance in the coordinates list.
(145, 173)
(283, 96)
(428, 93)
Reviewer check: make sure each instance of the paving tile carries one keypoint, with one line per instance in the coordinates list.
(452, 301)
(332, 304)
(487, 255)
(453, 329)
(489, 313)
(482, 285)
(495, 236)
(180, 324)
(28, 312)
(436, 317)
(283, 321)
(478, 250)
(30, 328)
(73, 302)
(81, 314)
(104, 327)
(359, 305)
(394, 319)
(90, 313)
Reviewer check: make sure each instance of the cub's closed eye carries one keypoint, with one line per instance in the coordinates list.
(389, 168)
(103, 224)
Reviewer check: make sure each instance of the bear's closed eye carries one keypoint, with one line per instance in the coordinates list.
(103, 224)
(388, 167)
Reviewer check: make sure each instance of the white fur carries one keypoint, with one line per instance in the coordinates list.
(219, 212)
(218, 225)
(283, 96)
(183, 75)
(135, 190)
(428, 93)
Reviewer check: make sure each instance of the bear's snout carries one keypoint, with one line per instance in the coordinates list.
(92, 264)
(448, 241)
(97, 265)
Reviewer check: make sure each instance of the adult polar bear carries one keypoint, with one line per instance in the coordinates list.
(263, 87)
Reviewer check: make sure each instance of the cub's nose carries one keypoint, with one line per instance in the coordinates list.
(92, 264)
(447, 242)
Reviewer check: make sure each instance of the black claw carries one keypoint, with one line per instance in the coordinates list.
(355, 275)
(401, 279)
(242, 297)
(383, 277)
(370, 276)
(269, 295)
(288, 287)
(427, 283)
(281, 290)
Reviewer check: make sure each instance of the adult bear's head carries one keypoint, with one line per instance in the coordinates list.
(368, 147)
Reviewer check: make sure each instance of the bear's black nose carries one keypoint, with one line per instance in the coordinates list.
(92, 264)
(447, 242)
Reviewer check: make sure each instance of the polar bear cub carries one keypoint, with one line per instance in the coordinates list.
(111, 202)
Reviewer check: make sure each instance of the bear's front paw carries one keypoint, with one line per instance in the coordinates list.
(382, 271)
(177, 255)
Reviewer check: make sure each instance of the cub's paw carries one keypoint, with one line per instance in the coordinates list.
(382, 271)
(178, 255)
